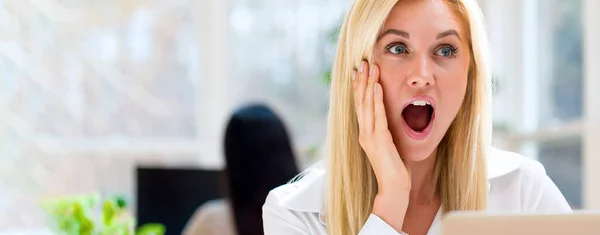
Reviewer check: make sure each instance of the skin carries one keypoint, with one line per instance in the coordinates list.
(423, 50)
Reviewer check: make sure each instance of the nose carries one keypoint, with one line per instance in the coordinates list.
(421, 75)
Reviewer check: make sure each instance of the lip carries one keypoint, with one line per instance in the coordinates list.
(420, 97)
(425, 132)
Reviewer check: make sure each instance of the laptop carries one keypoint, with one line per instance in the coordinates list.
(476, 223)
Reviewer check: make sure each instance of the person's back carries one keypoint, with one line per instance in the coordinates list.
(259, 157)
(213, 217)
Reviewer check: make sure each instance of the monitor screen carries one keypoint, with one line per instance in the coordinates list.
(170, 196)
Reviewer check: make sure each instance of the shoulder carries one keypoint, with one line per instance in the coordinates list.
(213, 217)
(212, 211)
(508, 170)
(296, 207)
(304, 194)
(216, 206)
(504, 164)
(521, 183)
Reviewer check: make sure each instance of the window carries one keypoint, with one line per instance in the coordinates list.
(560, 69)
(85, 97)
(280, 52)
(540, 103)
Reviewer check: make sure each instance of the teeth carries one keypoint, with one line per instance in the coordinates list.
(420, 103)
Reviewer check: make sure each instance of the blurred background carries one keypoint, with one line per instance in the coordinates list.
(94, 92)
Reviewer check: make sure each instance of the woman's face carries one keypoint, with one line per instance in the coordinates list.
(423, 55)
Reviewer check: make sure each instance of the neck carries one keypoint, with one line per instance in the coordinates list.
(421, 174)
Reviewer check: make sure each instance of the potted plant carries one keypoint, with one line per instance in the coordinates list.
(84, 215)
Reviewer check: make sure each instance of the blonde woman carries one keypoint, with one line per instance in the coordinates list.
(409, 130)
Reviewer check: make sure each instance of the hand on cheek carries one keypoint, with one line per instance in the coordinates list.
(393, 178)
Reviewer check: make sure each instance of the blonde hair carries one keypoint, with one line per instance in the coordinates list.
(460, 171)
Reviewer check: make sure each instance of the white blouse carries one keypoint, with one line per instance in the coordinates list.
(516, 184)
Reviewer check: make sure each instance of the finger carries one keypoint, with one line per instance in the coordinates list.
(354, 81)
(368, 107)
(355, 92)
(381, 123)
(374, 73)
(361, 81)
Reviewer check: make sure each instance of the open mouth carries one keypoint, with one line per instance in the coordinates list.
(418, 117)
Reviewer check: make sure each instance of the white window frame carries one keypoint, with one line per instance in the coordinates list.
(503, 17)
(591, 135)
(212, 106)
(514, 45)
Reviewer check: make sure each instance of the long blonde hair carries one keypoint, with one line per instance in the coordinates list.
(460, 171)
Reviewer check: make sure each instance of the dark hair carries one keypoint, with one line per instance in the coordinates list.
(259, 157)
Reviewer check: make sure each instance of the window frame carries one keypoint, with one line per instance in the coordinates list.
(510, 23)
(591, 135)
(501, 15)
(211, 106)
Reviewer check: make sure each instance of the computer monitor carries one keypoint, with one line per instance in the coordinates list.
(476, 223)
(170, 196)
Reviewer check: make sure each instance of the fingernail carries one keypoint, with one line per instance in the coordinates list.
(362, 66)
(377, 87)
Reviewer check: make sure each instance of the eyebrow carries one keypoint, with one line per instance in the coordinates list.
(448, 33)
(398, 32)
(406, 35)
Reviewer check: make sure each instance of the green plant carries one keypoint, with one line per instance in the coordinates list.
(82, 215)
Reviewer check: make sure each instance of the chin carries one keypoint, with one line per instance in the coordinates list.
(416, 152)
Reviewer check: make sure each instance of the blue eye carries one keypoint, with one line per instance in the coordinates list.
(397, 49)
(445, 51)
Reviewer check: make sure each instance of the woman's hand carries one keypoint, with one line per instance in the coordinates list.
(393, 178)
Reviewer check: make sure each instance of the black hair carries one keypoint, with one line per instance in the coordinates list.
(259, 157)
